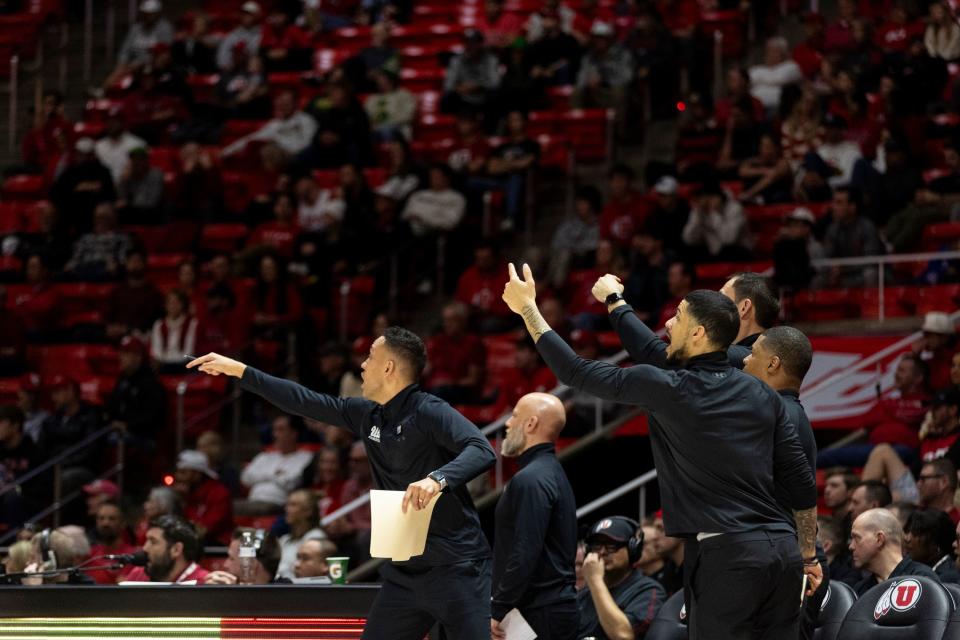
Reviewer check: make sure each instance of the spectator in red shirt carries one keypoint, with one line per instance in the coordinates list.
(352, 532)
(206, 501)
(809, 53)
(173, 548)
(585, 310)
(40, 145)
(281, 233)
(898, 31)
(626, 209)
(937, 484)
(936, 348)
(499, 27)
(457, 359)
(481, 288)
(838, 37)
(277, 305)
(470, 152)
(896, 418)
(529, 375)
(284, 46)
(328, 479)
(109, 529)
(40, 306)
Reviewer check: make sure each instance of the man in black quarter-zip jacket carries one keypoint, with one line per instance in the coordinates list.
(418, 444)
(719, 436)
(535, 543)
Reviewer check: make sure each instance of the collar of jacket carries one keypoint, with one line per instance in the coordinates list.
(542, 449)
(394, 407)
(749, 340)
(712, 360)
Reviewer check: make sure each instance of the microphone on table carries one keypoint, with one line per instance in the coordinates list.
(137, 559)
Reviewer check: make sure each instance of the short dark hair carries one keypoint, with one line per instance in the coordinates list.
(592, 196)
(945, 467)
(759, 290)
(718, 315)
(688, 269)
(876, 491)
(176, 529)
(850, 479)
(408, 347)
(830, 528)
(934, 525)
(12, 413)
(793, 347)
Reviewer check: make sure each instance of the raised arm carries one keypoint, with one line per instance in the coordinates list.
(642, 385)
(643, 345)
(288, 396)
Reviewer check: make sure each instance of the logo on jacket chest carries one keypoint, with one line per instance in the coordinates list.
(375, 432)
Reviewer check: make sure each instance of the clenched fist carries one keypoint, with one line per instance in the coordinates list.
(606, 285)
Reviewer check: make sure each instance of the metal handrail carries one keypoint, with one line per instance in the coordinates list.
(639, 482)
(866, 261)
(63, 455)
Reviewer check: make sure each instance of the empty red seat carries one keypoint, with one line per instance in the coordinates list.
(88, 129)
(430, 128)
(164, 266)
(713, 275)
(942, 297)
(84, 297)
(352, 304)
(73, 359)
(416, 81)
(732, 26)
(10, 265)
(375, 176)
(11, 217)
(223, 237)
(203, 399)
(554, 153)
(434, 35)
(898, 302)
(936, 236)
(827, 304)
(559, 97)
(203, 87)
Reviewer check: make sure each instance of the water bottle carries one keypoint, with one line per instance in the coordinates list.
(248, 558)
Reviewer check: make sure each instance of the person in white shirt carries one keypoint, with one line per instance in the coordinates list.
(318, 210)
(271, 475)
(942, 38)
(290, 129)
(249, 32)
(303, 515)
(438, 208)
(767, 80)
(391, 109)
(174, 335)
(113, 150)
(718, 226)
(839, 154)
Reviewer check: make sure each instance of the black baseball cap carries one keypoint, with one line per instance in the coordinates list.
(615, 528)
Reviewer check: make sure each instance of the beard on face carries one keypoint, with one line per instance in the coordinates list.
(160, 571)
(513, 444)
(678, 357)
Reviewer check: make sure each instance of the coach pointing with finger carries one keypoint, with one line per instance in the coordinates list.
(418, 444)
(719, 438)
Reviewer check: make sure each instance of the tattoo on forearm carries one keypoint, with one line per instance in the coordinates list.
(536, 325)
(807, 531)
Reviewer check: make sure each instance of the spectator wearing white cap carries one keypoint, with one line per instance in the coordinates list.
(605, 73)
(206, 501)
(150, 29)
(795, 248)
(937, 347)
(249, 31)
(669, 215)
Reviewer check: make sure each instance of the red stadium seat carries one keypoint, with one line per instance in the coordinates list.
(165, 266)
(223, 237)
(23, 188)
(355, 308)
(828, 304)
(428, 102)
(559, 97)
(202, 401)
(431, 128)
(731, 24)
(938, 236)
(203, 87)
(11, 217)
(73, 360)
(435, 35)
(898, 302)
(713, 275)
(10, 266)
(416, 81)
(937, 298)
(327, 178)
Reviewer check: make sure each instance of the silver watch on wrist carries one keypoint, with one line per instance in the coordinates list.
(440, 479)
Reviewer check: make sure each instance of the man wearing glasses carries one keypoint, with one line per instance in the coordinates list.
(937, 484)
(618, 600)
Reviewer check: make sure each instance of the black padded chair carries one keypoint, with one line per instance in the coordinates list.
(953, 627)
(905, 608)
(840, 597)
(668, 623)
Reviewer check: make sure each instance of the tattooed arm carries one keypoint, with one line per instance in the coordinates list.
(807, 537)
(521, 297)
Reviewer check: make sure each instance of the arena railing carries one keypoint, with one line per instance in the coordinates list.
(56, 465)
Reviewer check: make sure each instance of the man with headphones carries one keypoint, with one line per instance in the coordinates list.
(618, 600)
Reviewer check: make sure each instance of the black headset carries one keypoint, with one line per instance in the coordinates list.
(634, 543)
(47, 554)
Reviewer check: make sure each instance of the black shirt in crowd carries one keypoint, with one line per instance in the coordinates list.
(535, 541)
(409, 437)
(718, 435)
(907, 567)
(638, 596)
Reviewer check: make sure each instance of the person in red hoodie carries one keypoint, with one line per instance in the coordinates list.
(173, 548)
(895, 34)
(481, 286)
(456, 367)
(41, 144)
(625, 210)
(109, 528)
(206, 501)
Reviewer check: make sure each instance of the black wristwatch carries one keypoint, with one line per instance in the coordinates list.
(614, 298)
(440, 479)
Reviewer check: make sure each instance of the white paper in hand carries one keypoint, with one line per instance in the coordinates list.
(393, 533)
(516, 627)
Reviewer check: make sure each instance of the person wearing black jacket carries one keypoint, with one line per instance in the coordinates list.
(781, 357)
(535, 539)
(418, 444)
(758, 307)
(876, 540)
(719, 437)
